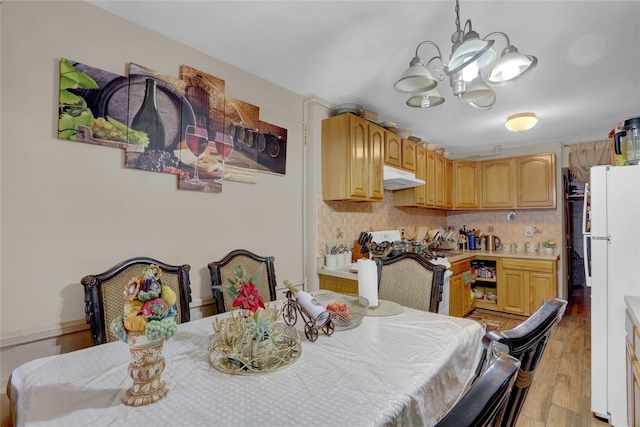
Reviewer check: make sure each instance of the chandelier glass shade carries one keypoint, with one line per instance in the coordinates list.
(426, 99)
(417, 77)
(472, 51)
(470, 57)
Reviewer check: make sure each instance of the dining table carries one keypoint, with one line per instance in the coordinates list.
(405, 369)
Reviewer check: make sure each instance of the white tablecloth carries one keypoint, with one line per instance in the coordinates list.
(405, 370)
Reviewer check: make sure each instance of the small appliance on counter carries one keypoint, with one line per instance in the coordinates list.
(492, 243)
(628, 141)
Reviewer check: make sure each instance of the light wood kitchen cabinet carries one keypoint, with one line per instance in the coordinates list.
(523, 284)
(633, 370)
(439, 183)
(431, 179)
(414, 196)
(399, 153)
(497, 177)
(466, 179)
(536, 181)
(448, 184)
(409, 155)
(338, 284)
(460, 301)
(393, 149)
(509, 183)
(352, 159)
(438, 190)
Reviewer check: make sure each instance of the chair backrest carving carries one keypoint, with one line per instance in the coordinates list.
(104, 293)
(527, 342)
(409, 279)
(483, 402)
(255, 265)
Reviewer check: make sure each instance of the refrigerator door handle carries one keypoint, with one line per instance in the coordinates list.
(600, 238)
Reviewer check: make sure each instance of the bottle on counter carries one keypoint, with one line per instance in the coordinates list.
(472, 241)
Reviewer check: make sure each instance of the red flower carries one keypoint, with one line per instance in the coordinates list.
(249, 298)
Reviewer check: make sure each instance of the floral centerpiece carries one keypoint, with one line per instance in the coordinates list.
(253, 339)
(148, 320)
(150, 309)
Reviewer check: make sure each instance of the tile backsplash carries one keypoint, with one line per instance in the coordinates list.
(342, 222)
(545, 224)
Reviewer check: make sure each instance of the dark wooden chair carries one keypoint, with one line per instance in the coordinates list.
(484, 400)
(104, 293)
(526, 342)
(409, 279)
(221, 271)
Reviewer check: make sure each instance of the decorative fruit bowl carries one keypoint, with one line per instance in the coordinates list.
(347, 310)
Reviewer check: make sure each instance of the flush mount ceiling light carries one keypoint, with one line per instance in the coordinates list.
(470, 56)
(521, 122)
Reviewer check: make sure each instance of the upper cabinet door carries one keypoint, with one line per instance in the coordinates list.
(352, 159)
(408, 155)
(421, 173)
(448, 184)
(431, 179)
(497, 183)
(393, 149)
(439, 182)
(376, 162)
(359, 159)
(466, 178)
(536, 181)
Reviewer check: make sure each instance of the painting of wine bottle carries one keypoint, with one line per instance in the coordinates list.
(180, 125)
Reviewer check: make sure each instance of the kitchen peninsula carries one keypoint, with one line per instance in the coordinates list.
(522, 280)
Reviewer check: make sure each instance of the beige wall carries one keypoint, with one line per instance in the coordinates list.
(71, 209)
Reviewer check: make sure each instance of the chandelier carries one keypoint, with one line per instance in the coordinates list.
(469, 56)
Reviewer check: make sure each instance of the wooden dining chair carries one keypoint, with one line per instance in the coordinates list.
(486, 398)
(409, 279)
(262, 268)
(526, 342)
(104, 293)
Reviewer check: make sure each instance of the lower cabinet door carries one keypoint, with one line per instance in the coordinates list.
(468, 303)
(512, 296)
(540, 289)
(456, 286)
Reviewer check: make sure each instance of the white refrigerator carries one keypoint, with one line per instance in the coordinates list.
(615, 264)
(586, 234)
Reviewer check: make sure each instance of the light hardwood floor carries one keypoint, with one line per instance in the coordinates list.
(560, 395)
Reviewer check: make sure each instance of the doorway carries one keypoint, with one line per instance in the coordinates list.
(573, 216)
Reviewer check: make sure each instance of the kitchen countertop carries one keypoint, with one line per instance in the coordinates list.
(465, 254)
(460, 255)
(633, 304)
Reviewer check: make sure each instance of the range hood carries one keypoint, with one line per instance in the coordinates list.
(397, 179)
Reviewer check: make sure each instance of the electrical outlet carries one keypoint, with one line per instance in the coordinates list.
(528, 232)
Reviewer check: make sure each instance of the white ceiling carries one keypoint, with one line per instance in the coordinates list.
(587, 79)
